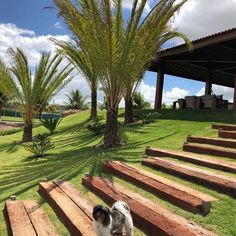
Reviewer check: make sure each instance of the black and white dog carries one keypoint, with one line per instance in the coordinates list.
(110, 223)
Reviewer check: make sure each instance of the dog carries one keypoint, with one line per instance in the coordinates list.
(112, 222)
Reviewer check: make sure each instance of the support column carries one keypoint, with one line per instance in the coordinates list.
(208, 87)
(234, 105)
(159, 88)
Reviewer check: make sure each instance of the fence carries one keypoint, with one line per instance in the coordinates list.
(13, 113)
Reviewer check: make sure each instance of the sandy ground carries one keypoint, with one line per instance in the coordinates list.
(9, 125)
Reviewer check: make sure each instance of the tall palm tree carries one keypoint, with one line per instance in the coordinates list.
(85, 64)
(18, 83)
(122, 49)
(3, 101)
(76, 100)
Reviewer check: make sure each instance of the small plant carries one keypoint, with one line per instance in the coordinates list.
(51, 124)
(40, 145)
(122, 136)
(149, 117)
(96, 126)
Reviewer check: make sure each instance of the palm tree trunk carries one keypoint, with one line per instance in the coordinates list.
(93, 113)
(1, 109)
(129, 110)
(28, 133)
(110, 136)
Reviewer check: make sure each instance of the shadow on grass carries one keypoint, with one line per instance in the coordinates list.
(10, 147)
(67, 164)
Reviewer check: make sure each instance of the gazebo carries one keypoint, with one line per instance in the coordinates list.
(212, 60)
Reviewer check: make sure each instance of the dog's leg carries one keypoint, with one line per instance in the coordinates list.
(129, 226)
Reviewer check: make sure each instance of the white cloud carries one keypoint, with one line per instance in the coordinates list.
(199, 18)
(27, 40)
(169, 97)
(219, 90)
(33, 45)
(58, 25)
(127, 4)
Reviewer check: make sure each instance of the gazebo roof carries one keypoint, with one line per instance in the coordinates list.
(215, 54)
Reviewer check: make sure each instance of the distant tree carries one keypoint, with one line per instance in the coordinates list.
(51, 108)
(17, 83)
(139, 102)
(85, 63)
(76, 100)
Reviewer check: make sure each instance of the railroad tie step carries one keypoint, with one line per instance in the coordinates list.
(27, 218)
(69, 207)
(229, 127)
(227, 134)
(210, 150)
(163, 188)
(223, 184)
(202, 160)
(212, 141)
(150, 217)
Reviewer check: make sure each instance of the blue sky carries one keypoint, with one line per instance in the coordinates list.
(30, 15)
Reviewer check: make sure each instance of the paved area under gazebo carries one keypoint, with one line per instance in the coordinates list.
(213, 61)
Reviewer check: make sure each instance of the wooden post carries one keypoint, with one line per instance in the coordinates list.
(159, 88)
(208, 87)
(234, 105)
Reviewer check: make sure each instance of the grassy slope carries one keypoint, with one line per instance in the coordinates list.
(75, 155)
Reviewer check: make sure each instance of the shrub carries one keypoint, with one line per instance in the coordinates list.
(51, 124)
(122, 136)
(139, 101)
(149, 117)
(40, 145)
(96, 126)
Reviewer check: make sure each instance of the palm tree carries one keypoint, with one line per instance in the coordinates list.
(122, 49)
(76, 100)
(85, 64)
(18, 83)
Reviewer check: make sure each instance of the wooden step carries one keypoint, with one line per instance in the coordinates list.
(27, 218)
(210, 150)
(85, 204)
(148, 216)
(227, 134)
(229, 127)
(201, 160)
(212, 141)
(160, 187)
(223, 184)
(74, 218)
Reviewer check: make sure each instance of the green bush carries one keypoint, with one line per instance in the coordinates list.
(51, 124)
(96, 127)
(40, 145)
(150, 117)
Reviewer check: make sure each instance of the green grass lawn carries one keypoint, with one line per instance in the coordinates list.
(11, 118)
(75, 154)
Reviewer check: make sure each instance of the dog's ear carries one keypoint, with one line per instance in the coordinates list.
(95, 210)
(106, 210)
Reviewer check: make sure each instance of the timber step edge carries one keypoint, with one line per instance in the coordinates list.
(221, 184)
(209, 150)
(74, 218)
(227, 134)
(159, 187)
(27, 218)
(193, 158)
(212, 141)
(229, 127)
(150, 217)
